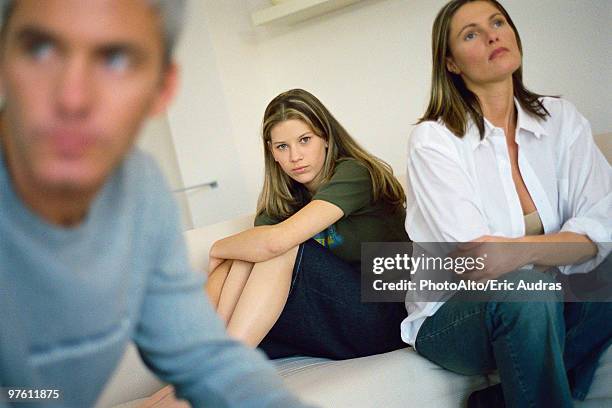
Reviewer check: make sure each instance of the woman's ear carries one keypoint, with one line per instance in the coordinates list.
(451, 66)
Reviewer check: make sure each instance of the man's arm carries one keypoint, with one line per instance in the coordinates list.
(184, 342)
(182, 339)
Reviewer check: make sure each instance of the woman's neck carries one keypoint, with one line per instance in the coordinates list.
(497, 103)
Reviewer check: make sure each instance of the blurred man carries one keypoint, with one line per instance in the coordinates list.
(91, 255)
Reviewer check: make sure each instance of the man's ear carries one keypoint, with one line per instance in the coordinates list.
(451, 66)
(167, 89)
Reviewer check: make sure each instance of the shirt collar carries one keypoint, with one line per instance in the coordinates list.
(524, 121)
(528, 122)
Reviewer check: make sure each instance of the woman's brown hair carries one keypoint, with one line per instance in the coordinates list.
(450, 100)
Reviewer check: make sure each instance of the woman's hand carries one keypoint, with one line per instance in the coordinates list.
(501, 255)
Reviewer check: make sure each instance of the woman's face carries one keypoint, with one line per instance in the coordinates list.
(299, 151)
(483, 46)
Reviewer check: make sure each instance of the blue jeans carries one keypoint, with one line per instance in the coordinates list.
(545, 351)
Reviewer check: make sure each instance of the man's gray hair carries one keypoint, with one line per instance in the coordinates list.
(172, 14)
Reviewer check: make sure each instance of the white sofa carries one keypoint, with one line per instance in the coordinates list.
(397, 379)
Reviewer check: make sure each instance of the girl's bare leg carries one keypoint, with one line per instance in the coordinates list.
(216, 279)
(263, 298)
(232, 288)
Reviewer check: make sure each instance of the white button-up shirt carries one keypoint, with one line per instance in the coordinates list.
(461, 188)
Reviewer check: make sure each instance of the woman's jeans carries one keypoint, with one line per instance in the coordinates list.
(545, 351)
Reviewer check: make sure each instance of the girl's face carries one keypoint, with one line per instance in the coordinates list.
(483, 45)
(299, 151)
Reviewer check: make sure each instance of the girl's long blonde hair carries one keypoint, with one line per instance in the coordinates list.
(282, 196)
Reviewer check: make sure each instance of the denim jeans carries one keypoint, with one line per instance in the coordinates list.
(324, 315)
(546, 352)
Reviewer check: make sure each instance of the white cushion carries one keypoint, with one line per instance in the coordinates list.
(132, 380)
(396, 379)
(403, 378)
(600, 394)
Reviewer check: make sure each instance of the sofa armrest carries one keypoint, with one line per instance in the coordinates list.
(604, 142)
(132, 380)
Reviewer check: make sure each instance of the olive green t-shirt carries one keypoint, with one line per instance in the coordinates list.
(350, 188)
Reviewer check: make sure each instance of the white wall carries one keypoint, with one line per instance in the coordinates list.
(156, 138)
(369, 63)
(203, 133)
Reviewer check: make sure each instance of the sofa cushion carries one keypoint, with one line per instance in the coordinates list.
(600, 394)
(403, 378)
(395, 379)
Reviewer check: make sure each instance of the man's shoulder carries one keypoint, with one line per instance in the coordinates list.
(139, 163)
(139, 189)
(140, 172)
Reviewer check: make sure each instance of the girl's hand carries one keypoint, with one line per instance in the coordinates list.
(213, 263)
(164, 398)
(501, 255)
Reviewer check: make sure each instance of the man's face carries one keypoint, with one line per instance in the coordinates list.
(78, 77)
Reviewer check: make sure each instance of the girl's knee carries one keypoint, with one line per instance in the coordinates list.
(287, 259)
(240, 264)
(222, 269)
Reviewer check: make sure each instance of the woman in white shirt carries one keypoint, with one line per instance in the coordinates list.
(491, 162)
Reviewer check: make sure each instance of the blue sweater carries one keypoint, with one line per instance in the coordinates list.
(71, 299)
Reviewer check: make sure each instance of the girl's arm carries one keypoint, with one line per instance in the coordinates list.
(268, 241)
